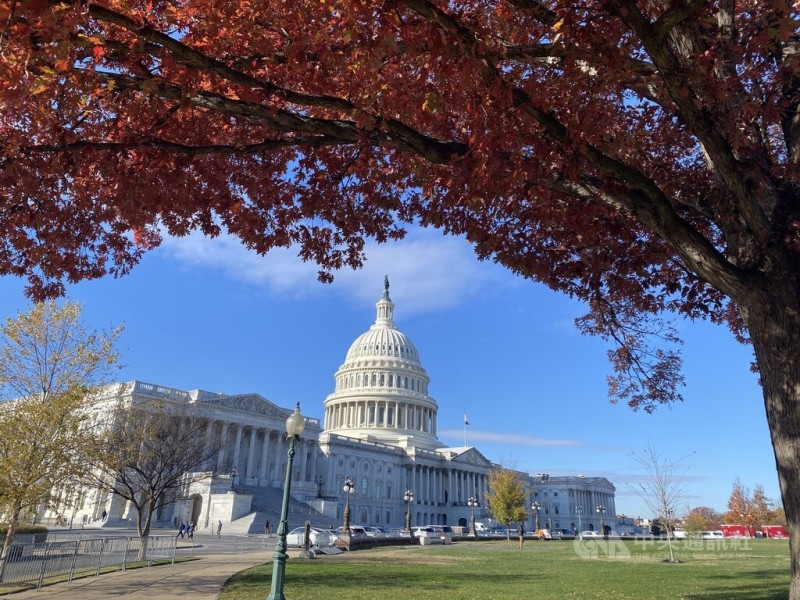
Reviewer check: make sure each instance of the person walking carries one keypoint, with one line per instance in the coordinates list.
(219, 528)
(267, 529)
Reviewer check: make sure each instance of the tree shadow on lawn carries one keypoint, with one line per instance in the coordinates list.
(758, 585)
(406, 580)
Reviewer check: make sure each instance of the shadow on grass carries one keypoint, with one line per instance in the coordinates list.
(758, 584)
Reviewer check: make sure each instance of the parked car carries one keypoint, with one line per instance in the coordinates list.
(355, 531)
(590, 535)
(419, 532)
(373, 532)
(562, 533)
(712, 535)
(544, 534)
(318, 537)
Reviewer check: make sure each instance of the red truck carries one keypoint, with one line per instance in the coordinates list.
(738, 531)
(774, 531)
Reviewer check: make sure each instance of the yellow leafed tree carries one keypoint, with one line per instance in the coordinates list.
(50, 363)
(507, 496)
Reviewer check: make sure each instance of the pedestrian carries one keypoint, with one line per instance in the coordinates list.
(190, 530)
(267, 529)
(521, 535)
(219, 528)
(181, 530)
(104, 515)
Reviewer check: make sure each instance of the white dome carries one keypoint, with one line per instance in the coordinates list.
(383, 341)
(381, 388)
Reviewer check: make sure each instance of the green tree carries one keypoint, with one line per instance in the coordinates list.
(507, 496)
(50, 364)
(150, 454)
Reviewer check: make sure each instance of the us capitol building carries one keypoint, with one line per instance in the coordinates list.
(379, 429)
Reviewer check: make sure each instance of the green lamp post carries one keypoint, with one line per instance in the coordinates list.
(294, 427)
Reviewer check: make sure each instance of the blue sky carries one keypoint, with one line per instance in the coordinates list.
(207, 314)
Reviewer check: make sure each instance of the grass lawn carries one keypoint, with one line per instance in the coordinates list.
(498, 570)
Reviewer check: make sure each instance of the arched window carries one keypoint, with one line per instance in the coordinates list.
(364, 486)
(391, 380)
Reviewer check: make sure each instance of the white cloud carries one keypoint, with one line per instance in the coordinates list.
(509, 439)
(428, 272)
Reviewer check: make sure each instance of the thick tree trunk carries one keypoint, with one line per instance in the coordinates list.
(773, 320)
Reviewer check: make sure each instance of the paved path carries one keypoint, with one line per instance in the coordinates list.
(199, 579)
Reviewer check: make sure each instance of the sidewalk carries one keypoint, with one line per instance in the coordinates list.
(199, 579)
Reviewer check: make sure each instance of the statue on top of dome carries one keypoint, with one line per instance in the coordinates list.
(386, 287)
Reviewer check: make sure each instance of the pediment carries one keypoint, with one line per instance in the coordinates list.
(253, 404)
(466, 456)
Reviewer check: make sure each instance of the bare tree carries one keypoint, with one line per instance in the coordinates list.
(662, 488)
(150, 454)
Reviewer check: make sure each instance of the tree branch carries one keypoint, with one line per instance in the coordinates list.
(740, 178)
(675, 15)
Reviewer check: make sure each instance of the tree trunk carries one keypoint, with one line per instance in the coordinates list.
(772, 315)
(12, 527)
(144, 530)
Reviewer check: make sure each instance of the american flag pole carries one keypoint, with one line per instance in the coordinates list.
(466, 422)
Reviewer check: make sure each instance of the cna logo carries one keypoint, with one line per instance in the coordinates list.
(591, 548)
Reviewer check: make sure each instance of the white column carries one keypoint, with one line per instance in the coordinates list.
(251, 455)
(223, 443)
(264, 453)
(237, 446)
(209, 464)
(303, 459)
(314, 454)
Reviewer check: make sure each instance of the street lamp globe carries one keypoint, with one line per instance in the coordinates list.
(295, 423)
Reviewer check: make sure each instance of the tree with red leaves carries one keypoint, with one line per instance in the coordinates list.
(642, 156)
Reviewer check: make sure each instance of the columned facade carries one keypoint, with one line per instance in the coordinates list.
(379, 428)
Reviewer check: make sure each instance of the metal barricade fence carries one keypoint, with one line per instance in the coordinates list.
(37, 562)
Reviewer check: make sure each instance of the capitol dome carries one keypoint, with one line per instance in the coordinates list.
(382, 388)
